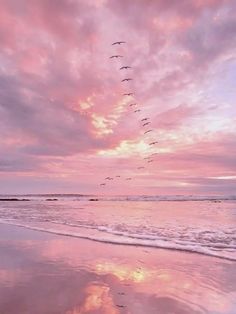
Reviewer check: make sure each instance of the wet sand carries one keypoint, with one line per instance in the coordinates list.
(42, 273)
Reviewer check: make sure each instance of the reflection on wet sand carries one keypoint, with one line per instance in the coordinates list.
(127, 272)
(53, 274)
(168, 282)
(97, 298)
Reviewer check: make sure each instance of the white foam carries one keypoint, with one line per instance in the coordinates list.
(132, 240)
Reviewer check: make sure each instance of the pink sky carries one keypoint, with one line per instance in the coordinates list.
(65, 125)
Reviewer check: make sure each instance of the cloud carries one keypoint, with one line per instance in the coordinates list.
(62, 96)
(210, 38)
(175, 117)
(34, 115)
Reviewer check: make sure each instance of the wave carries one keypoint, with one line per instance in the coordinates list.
(156, 235)
(137, 240)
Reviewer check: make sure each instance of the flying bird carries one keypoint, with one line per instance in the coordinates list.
(118, 43)
(153, 143)
(128, 179)
(127, 79)
(131, 105)
(108, 178)
(145, 119)
(146, 123)
(150, 160)
(140, 167)
(148, 131)
(138, 110)
(102, 184)
(117, 176)
(125, 67)
(116, 56)
(128, 94)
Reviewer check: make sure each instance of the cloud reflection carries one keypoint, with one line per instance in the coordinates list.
(98, 299)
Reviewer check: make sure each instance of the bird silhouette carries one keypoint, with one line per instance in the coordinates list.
(118, 43)
(140, 168)
(102, 184)
(128, 94)
(125, 67)
(150, 160)
(116, 56)
(153, 143)
(127, 79)
(138, 110)
(148, 131)
(131, 105)
(144, 119)
(146, 123)
(108, 178)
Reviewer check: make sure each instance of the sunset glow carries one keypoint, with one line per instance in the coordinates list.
(65, 124)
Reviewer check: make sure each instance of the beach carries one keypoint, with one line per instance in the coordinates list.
(44, 273)
(117, 157)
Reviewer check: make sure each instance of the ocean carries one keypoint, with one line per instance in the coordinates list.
(200, 224)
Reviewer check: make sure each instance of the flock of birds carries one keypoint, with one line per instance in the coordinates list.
(145, 121)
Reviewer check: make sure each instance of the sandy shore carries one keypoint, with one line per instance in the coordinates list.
(42, 273)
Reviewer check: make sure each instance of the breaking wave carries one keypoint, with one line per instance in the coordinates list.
(202, 242)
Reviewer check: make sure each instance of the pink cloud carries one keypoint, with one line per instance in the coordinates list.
(62, 97)
(175, 117)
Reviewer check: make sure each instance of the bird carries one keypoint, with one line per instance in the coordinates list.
(131, 105)
(148, 157)
(108, 178)
(153, 143)
(127, 79)
(138, 110)
(117, 176)
(146, 123)
(125, 67)
(128, 179)
(150, 160)
(118, 43)
(116, 56)
(153, 154)
(128, 94)
(148, 131)
(140, 167)
(144, 119)
(102, 184)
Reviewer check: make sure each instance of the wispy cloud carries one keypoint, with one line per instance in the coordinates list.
(62, 113)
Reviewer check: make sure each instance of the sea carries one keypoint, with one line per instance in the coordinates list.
(199, 224)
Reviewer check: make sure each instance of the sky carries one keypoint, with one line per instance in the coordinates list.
(64, 123)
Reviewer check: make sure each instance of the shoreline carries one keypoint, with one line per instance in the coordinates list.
(110, 242)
